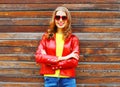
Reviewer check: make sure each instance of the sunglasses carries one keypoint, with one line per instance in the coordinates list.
(57, 17)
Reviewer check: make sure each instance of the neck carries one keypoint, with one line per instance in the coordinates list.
(59, 31)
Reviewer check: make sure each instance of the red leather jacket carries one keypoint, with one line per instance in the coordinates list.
(49, 62)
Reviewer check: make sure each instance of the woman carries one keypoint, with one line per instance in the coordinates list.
(58, 51)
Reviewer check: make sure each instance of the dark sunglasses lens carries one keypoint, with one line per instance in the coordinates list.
(64, 18)
(57, 17)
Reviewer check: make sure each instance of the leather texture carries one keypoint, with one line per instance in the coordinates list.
(49, 62)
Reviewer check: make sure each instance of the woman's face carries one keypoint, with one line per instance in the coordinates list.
(60, 19)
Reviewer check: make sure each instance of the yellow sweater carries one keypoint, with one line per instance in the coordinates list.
(59, 50)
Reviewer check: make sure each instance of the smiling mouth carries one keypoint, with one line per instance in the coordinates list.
(61, 24)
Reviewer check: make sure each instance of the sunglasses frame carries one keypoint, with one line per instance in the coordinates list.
(58, 17)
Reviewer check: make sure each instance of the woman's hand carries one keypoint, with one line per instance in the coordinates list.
(72, 55)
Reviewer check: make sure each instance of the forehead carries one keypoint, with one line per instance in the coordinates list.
(61, 13)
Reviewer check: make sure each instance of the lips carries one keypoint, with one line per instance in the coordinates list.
(61, 24)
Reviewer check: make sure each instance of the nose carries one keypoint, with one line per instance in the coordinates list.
(60, 19)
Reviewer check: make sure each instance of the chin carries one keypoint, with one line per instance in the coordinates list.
(61, 26)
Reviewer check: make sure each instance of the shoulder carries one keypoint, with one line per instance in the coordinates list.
(44, 36)
(74, 37)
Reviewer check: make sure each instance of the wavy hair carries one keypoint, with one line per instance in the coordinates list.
(53, 28)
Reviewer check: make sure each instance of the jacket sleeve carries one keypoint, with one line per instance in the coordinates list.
(44, 58)
(72, 62)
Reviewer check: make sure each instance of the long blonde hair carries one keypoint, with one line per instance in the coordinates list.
(53, 28)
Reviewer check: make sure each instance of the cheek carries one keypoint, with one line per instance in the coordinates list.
(55, 22)
(66, 22)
